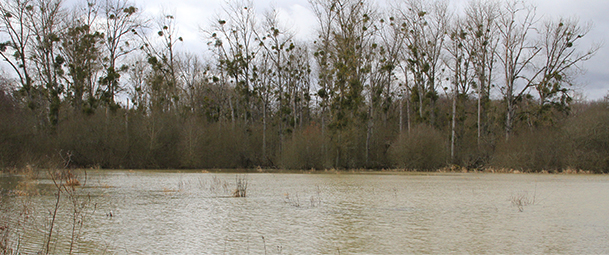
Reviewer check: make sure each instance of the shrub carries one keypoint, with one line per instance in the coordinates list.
(305, 150)
(217, 145)
(588, 135)
(22, 138)
(537, 150)
(423, 148)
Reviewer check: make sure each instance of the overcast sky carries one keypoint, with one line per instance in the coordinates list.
(193, 14)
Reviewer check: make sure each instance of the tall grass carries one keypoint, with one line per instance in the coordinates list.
(241, 186)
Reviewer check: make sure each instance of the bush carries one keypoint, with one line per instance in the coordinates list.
(218, 145)
(380, 142)
(304, 150)
(95, 140)
(347, 147)
(423, 148)
(588, 135)
(10, 135)
(22, 139)
(120, 139)
(541, 149)
(221, 147)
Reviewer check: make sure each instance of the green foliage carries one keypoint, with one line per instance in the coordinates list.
(81, 46)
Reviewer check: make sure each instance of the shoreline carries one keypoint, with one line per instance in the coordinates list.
(445, 170)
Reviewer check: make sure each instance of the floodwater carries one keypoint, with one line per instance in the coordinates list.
(162, 212)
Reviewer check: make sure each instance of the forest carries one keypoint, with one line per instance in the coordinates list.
(414, 85)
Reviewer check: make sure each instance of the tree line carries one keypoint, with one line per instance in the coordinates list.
(416, 85)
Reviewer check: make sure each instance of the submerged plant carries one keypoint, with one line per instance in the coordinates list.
(241, 183)
(294, 200)
(65, 183)
(522, 199)
(12, 228)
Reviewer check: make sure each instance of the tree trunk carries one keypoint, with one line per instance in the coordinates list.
(453, 126)
(421, 95)
(401, 115)
(408, 119)
(509, 119)
(479, 114)
(264, 132)
(369, 131)
(232, 112)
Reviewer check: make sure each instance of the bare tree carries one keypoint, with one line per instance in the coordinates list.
(15, 24)
(560, 55)
(516, 53)
(392, 43)
(163, 81)
(193, 76)
(401, 27)
(81, 47)
(122, 20)
(46, 27)
(346, 37)
(299, 67)
(236, 47)
(323, 55)
(427, 34)
(460, 63)
(481, 18)
(138, 70)
(385, 56)
(276, 43)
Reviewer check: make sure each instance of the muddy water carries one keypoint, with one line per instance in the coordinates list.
(194, 213)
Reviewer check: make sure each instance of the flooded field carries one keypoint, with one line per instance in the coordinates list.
(163, 212)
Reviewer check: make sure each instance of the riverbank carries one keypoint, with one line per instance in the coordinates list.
(33, 171)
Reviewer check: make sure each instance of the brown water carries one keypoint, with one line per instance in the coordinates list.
(193, 213)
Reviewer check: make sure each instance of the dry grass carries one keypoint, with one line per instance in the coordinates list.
(65, 182)
(168, 190)
(241, 189)
(72, 182)
(220, 187)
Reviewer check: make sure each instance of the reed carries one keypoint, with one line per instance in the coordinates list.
(241, 186)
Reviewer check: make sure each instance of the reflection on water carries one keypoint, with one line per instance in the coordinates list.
(156, 212)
